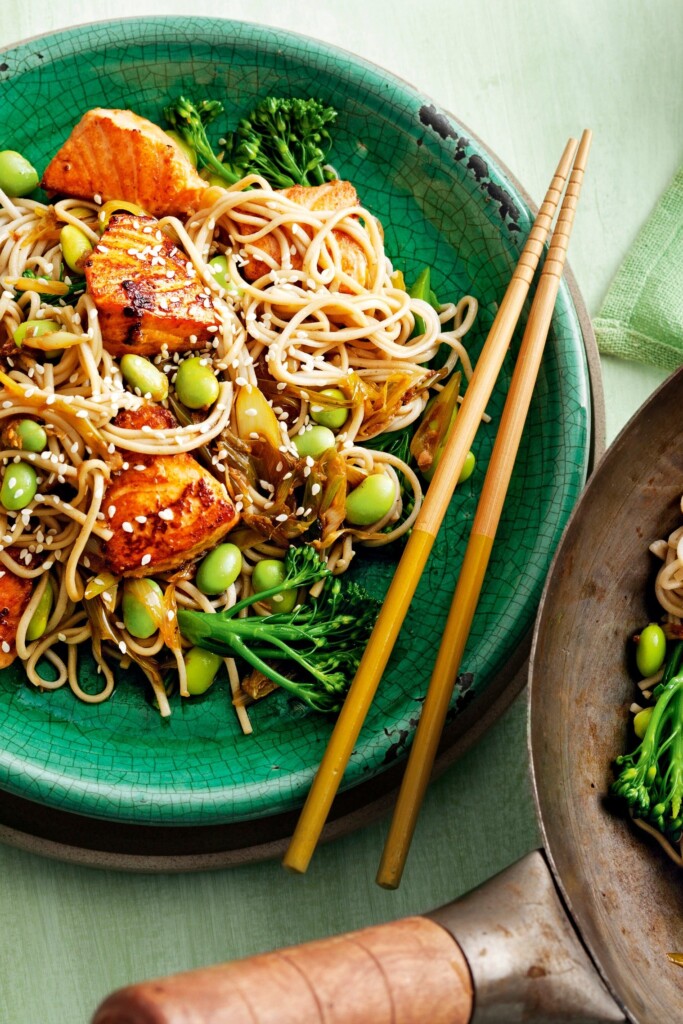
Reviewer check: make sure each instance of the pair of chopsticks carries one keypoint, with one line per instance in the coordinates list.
(423, 535)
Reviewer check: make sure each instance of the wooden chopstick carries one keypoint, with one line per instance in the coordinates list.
(416, 552)
(489, 509)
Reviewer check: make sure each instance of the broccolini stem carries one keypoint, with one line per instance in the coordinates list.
(304, 693)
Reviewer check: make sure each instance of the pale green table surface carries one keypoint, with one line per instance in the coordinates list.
(523, 75)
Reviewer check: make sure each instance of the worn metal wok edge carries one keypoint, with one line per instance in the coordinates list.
(611, 453)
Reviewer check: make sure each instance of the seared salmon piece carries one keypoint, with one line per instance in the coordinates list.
(115, 154)
(146, 291)
(15, 594)
(333, 196)
(163, 509)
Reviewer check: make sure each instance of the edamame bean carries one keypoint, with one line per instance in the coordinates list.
(331, 416)
(19, 486)
(182, 145)
(30, 436)
(201, 667)
(641, 722)
(651, 650)
(142, 374)
(215, 180)
(196, 384)
(271, 573)
(34, 329)
(17, 176)
(41, 615)
(219, 569)
(371, 500)
(219, 269)
(141, 607)
(76, 247)
(468, 468)
(314, 442)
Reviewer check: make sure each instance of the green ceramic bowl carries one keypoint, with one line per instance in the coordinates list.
(443, 201)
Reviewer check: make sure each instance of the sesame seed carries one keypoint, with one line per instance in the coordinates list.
(166, 513)
(315, 489)
(282, 518)
(5, 647)
(126, 527)
(141, 519)
(145, 560)
(122, 647)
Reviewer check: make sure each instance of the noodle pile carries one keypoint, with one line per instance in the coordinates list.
(291, 332)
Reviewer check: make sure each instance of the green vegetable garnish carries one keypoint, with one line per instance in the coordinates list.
(651, 777)
(325, 637)
(189, 122)
(284, 140)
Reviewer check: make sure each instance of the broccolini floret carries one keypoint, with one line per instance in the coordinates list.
(286, 141)
(651, 776)
(189, 120)
(323, 639)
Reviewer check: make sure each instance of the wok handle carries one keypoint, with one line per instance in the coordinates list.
(410, 971)
(512, 936)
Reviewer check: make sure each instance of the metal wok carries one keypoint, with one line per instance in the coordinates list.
(509, 951)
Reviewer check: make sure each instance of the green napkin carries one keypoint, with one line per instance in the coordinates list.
(642, 315)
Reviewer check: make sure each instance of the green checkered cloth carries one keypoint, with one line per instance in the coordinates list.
(642, 315)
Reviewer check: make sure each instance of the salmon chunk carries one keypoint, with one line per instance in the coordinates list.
(146, 291)
(164, 509)
(333, 196)
(114, 154)
(15, 594)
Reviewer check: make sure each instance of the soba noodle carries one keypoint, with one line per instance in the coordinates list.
(309, 329)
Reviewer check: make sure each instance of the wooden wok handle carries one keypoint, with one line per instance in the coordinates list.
(407, 972)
